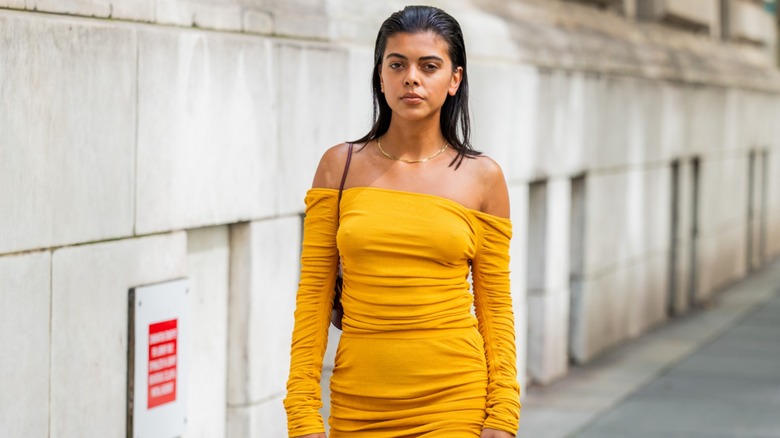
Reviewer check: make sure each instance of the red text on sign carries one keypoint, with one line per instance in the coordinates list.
(162, 363)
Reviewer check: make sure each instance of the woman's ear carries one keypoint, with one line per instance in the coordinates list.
(457, 76)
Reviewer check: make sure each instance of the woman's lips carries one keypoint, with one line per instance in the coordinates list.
(412, 98)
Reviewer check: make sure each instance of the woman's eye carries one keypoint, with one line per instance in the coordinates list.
(395, 65)
(431, 67)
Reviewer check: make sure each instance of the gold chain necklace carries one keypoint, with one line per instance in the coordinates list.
(393, 157)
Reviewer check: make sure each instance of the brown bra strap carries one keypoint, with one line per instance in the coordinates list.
(344, 176)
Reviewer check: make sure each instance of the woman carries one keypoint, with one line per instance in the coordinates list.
(419, 209)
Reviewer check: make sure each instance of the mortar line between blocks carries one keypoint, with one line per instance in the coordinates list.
(135, 131)
(51, 336)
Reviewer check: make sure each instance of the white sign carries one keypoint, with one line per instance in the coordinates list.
(157, 389)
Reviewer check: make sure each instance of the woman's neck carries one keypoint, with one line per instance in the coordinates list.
(413, 140)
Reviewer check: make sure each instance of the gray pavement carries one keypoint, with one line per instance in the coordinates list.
(713, 373)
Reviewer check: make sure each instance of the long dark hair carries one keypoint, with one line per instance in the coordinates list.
(455, 122)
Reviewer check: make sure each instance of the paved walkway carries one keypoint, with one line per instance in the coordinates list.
(714, 373)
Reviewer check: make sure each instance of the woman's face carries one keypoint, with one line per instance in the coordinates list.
(417, 75)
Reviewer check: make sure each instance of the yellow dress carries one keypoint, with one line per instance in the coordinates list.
(413, 361)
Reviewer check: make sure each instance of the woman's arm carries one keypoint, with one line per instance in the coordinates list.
(313, 302)
(493, 305)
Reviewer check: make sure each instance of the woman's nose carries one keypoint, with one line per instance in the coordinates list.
(412, 77)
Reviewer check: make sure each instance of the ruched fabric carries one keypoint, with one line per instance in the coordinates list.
(413, 360)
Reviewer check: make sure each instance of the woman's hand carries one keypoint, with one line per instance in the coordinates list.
(493, 433)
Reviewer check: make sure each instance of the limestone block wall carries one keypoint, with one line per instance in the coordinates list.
(149, 140)
(264, 270)
(288, 17)
(24, 312)
(89, 326)
(60, 165)
(698, 185)
(637, 130)
(208, 268)
(205, 103)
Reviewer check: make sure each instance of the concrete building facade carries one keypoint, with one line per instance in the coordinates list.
(149, 140)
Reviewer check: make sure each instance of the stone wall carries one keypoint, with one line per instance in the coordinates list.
(144, 141)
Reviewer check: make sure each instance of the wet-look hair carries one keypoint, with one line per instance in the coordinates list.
(455, 122)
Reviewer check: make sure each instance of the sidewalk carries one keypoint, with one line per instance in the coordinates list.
(713, 373)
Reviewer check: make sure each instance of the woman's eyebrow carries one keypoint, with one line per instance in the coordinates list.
(422, 58)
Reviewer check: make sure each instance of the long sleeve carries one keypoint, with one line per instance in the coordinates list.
(493, 304)
(312, 314)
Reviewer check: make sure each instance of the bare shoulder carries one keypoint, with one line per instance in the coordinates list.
(495, 195)
(488, 169)
(331, 167)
